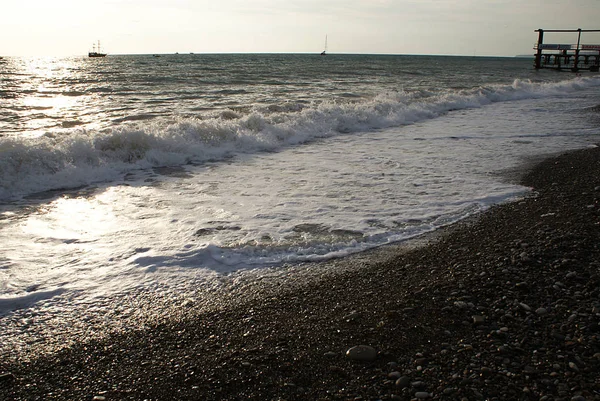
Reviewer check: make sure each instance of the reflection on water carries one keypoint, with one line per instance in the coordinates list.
(45, 94)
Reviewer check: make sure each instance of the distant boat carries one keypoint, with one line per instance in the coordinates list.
(96, 52)
(324, 52)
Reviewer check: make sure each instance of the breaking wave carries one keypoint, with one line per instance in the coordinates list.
(82, 157)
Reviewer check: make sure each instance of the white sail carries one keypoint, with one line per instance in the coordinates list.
(324, 52)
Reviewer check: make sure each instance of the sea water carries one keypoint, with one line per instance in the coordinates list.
(169, 173)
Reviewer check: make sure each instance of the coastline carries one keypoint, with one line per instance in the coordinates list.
(503, 306)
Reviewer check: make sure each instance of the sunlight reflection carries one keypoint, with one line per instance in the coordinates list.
(72, 220)
(69, 239)
(41, 103)
(53, 94)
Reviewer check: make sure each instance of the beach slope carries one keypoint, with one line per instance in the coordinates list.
(505, 306)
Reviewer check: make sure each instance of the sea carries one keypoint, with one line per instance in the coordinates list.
(170, 173)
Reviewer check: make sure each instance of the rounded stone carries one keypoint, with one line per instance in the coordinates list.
(478, 319)
(418, 384)
(362, 353)
(394, 375)
(403, 382)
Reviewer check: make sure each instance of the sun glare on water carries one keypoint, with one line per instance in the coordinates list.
(52, 94)
(64, 239)
(72, 220)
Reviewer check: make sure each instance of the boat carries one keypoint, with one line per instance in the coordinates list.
(96, 52)
(324, 52)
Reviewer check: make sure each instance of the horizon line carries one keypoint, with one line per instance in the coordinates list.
(272, 53)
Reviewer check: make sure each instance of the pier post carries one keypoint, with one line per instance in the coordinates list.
(538, 55)
(575, 67)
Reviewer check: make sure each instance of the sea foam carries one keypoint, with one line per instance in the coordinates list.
(82, 157)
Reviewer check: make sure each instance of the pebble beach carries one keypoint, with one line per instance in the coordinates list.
(504, 306)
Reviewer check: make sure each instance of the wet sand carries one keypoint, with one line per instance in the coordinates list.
(505, 306)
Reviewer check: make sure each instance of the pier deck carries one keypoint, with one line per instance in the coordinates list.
(573, 57)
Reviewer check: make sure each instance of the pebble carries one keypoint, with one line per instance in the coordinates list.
(6, 377)
(418, 384)
(421, 361)
(525, 306)
(461, 304)
(421, 395)
(352, 316)
(541, 311)
(478, 319)
(403, 382)
(449, 390)
(187, 303)
(362, 353)
(394, 375)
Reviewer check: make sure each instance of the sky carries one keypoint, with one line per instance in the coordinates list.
(449, 27)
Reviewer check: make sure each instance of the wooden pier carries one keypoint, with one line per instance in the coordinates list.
(573, 57)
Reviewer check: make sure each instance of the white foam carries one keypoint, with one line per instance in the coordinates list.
(82, 157)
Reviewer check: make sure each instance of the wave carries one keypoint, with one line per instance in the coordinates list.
(83, 157)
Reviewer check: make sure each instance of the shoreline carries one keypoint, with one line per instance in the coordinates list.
(503, 306)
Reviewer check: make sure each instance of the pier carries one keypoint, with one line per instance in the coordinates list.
(570, 56)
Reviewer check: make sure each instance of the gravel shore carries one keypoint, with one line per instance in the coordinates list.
(505, 306)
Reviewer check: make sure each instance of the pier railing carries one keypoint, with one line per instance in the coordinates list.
(560, 56)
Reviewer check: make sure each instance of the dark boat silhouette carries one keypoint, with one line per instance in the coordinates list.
(96, 52)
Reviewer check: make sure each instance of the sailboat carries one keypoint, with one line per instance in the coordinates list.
(96, 52)
(324, 52)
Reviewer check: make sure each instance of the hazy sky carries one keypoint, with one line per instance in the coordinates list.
(461, 27)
